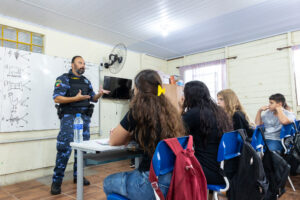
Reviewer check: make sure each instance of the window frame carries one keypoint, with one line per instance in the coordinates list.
(219, 81)
(296, 65)
(31, 44)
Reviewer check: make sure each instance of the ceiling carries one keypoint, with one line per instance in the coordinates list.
(192, 25)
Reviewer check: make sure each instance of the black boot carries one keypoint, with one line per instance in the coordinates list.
(55, 188)
(85, 181)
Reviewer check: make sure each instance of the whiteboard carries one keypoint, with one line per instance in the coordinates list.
(26, 88)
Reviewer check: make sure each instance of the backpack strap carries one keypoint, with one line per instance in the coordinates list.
(242, 133)
(176, 147)
(190, 143)
(154, 183)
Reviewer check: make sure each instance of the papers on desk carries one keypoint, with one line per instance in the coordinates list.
(102, 145)
(103, 141)
(96, 145)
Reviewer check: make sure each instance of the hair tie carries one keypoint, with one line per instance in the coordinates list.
(161, 90)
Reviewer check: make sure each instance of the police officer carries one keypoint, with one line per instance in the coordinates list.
(73, 92)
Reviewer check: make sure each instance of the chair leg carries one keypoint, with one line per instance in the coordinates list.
(291, 183)
(215, 195)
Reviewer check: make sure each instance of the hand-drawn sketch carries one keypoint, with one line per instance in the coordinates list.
(15, 120)
(16, 71)
(16, 86)
(15, 89)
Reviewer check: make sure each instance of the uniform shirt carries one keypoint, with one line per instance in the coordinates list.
(273, 125)
(62, 86)
(129, 124)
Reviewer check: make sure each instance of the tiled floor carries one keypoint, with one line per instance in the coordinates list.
(40, 188)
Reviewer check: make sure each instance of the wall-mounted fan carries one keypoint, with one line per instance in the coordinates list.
(116, 58)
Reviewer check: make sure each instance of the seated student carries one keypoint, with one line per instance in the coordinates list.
(277, 114)
(151, 118)
(229, 101)
(207, 122)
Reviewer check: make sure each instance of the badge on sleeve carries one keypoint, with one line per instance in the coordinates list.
(86, 81)
(58, 83)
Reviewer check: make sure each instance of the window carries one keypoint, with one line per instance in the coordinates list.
(213, 74)
(21, 39)
(296, 56)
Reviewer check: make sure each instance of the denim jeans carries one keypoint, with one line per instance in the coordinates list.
(135, 184)
(275, 145)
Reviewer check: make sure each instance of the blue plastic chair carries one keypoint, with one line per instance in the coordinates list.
(163, 161)
(116, 197)
(257, 141)
(297, 122)
(229, 147)
(287, 131)
(163, 158)
(259, 144)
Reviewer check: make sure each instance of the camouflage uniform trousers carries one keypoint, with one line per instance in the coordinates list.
(63, 147)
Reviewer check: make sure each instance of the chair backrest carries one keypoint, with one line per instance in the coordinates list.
(230, 146)
(287, 135)
(163, 158)
(288, 130)
(257, 141)
(297, 122)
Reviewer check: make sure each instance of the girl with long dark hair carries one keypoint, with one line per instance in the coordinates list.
(151, 118)
(207, 122)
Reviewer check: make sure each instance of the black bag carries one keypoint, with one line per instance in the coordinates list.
(293, 157)
(250, 182)
(297, 145)
(277, 171)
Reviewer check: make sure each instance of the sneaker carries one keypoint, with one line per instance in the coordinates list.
(85, 181)
(132, 162)
(132, 166)
(55, 188)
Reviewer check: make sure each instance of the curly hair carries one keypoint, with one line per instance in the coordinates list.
(156, 118)
(232, 103)
(196, 94)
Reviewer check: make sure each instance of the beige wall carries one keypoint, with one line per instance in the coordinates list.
(31, 154)
(154, 63)
(259, 70)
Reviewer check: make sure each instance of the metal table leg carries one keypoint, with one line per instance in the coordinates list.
(79, 175)
(137, 161)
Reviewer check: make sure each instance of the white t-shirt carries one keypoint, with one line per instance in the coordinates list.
(272, 124)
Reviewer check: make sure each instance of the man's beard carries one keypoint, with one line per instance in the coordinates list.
(80, 71)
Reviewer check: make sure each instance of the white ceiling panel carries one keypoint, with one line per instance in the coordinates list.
(192, 25)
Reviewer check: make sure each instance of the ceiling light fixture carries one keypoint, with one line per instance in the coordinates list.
(164, 29)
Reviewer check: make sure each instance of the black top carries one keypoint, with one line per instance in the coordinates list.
(240, 122)
(129, 124)
(206, 153)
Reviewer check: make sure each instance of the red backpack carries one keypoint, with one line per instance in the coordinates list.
(188, 180)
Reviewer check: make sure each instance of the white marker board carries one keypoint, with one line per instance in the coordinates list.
(26, 88)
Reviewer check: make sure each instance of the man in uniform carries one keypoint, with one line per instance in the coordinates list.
(73, 92)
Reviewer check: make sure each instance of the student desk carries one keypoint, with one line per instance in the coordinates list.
(100, 153)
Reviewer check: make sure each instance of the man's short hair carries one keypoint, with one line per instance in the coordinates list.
(74, 58)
